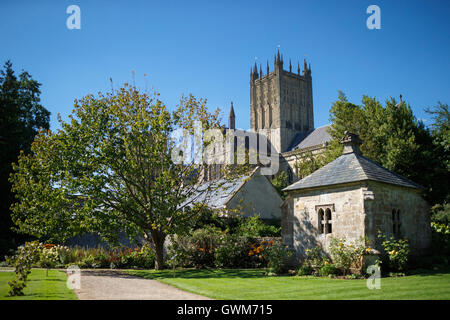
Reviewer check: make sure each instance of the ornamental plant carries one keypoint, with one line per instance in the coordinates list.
(22, 261)
(48, 257)
(347, 256)
(277, 256)
(396, 252)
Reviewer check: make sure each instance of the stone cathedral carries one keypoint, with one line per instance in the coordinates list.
(281, 100)
(281, 108)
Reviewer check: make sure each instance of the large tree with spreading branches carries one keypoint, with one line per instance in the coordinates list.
(114, 167)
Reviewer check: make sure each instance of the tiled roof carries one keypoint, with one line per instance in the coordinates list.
(351, 167)
(310, 138)
(217, 193)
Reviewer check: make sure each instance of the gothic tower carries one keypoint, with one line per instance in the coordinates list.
(281, 103)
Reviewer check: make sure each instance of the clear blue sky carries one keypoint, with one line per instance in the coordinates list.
(207, 47)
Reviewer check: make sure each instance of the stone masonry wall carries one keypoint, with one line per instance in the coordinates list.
(414, 215)
(347, 216)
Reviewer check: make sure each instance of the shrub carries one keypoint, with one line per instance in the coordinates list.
(327, 270)
(304, 270)
(239, 252)
(277, 256)
(198, 249)
(315, 258)
(440, 214)
(396, 252)
(440, 236)
(139, 258)
(22, 261)
(347, 257)
(255, 227)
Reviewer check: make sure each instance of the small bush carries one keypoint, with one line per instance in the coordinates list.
(315, 258)
(327, 270)
(277, 257)
(255, 227)
(347, 256)
(396, 252)
(22, 261)
(304, 270)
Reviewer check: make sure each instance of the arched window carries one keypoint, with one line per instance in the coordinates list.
(321, 220)
(328, 220)
(325, 219)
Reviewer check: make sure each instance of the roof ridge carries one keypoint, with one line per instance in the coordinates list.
(358, 156)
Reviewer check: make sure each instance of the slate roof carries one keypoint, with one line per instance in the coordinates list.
(351, 167)
(310, 138)
(216, 194)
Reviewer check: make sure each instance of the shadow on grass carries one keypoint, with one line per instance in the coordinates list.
(199, 273)
(438, 270)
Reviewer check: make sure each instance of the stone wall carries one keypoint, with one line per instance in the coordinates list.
(257, 196)
(347, 216)
(414, 214)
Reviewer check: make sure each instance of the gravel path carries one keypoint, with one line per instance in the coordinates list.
(114, 285)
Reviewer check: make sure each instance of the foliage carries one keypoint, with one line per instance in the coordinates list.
(440, 240)
(440, 214)
(328, 270)
(49, 256)
(196, 250)
(315, 258)
(254, 226)
(119, 155)
(22, 262)
(21, 115)
(305, 270)
(212, 247)
(278, 256)
(396, 252)
(280, 182)
(347, 257)
(394, 138)
(239, 252)
(441, 142)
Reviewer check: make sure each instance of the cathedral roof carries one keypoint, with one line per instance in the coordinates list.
(311, 138)
(351, 167)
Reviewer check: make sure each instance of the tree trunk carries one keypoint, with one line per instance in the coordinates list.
(158, 240)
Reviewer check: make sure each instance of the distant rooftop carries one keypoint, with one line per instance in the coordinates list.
(311, 138)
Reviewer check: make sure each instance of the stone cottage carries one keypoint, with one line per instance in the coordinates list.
(252, 194)
(353, 197)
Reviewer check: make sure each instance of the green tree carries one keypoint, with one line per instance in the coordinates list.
(21, 116)
(394, 138)
(440, 149)
(111, 168)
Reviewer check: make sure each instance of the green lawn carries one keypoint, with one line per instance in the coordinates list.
(253, 285)
(39, 286)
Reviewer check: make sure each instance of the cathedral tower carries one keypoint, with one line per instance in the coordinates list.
(281, 103)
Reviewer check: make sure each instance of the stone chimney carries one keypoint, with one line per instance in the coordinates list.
(351, 143)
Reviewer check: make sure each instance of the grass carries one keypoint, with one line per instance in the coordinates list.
(39, 286)
(254, 285)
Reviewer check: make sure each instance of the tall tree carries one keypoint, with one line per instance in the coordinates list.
(21, 116)
(114, 168)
